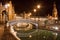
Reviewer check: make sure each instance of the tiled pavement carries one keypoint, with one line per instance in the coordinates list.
(5, 35)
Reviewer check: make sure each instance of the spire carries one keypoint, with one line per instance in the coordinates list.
(11, 11)
(54, 14)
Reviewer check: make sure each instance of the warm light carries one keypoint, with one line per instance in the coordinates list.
(18, 24)
(30, 36)
(7, 24)
(38, 6)
(24, 24)
(55, 34)
(32, 18)
(36, 19)
(35, 10)
(7, 5)
(56, 28)
(29, 14)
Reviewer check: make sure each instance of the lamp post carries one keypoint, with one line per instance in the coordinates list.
(38, 6)
(34, 10)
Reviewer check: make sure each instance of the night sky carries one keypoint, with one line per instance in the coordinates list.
(29, 5)
(23, 5)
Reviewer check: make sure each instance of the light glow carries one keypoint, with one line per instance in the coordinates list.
(30, 36)
(56, 28)
(35, 10)
(7, 5)
(38, 6)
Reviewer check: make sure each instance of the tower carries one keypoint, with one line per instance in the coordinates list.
(54, 14)
(10, 11)
(0, 12)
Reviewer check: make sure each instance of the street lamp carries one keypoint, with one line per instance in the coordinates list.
(7, 5)
(38, 6)
(34, 10)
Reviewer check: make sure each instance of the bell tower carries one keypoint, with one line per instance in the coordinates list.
(54, 14)
(10, 11)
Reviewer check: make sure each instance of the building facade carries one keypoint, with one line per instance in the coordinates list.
(10, 12)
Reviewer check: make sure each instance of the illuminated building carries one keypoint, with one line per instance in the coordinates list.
(0, 12)
(54, 14)
(10, 11)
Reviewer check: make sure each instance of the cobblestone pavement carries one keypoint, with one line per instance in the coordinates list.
(1, 30)
(5, 35)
